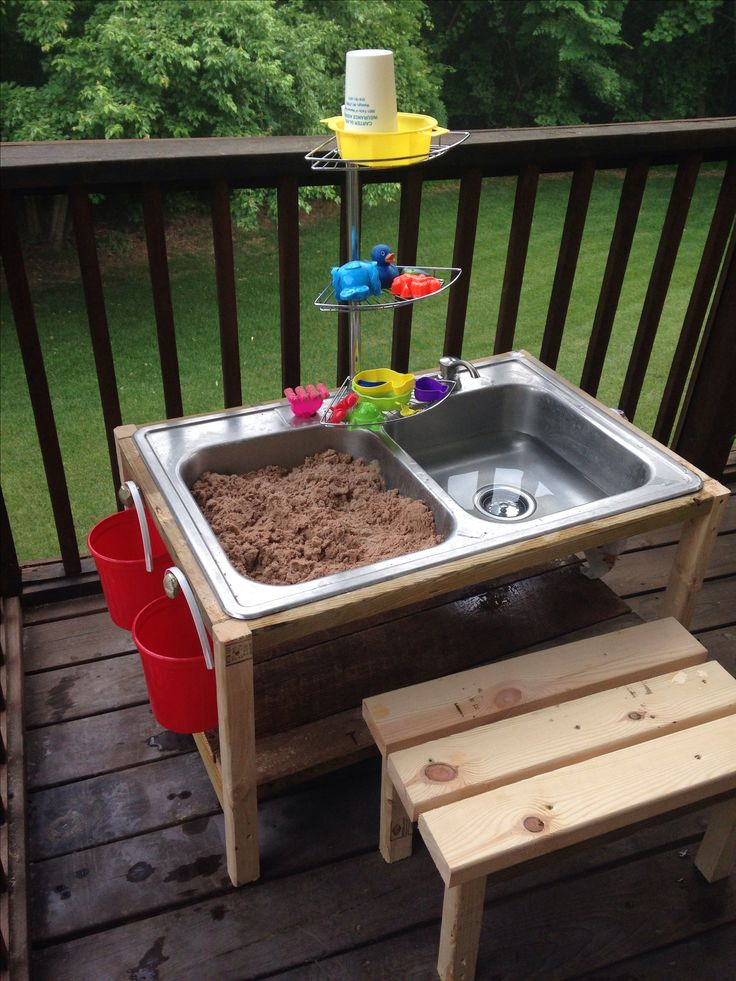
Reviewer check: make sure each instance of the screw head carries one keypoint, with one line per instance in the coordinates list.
(171, 585)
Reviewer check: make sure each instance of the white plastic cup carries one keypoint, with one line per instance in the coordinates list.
(370, 92)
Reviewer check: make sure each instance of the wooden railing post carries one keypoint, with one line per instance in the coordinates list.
(38, 386)
(10, 577)
(707, 425)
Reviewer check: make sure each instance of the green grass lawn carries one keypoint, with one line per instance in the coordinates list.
(67, 350)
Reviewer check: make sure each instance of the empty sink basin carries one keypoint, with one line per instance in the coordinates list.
(519, 445)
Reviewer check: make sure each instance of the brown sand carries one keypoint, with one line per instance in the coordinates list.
(329, 514)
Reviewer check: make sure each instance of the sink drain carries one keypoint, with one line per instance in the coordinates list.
(504, 503)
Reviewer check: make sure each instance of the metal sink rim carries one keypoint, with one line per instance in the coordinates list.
(244, 598)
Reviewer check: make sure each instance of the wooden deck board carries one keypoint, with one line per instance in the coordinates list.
(126, 836)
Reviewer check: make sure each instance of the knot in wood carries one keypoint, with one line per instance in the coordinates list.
(635, 716)
(440, 772)
(533, 823)
(507, 697)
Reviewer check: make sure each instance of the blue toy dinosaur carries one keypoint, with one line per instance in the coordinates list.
(355, 280)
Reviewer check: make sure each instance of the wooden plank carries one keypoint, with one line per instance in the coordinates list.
(567, 260)
(59, 643)
(532, 576)
(403, 718)
(158, 268)
(227, 304)
(721, 645)
(84, 689)
(94, 301)
(37, 381)
(462, 257)
(99, 744)
(66, 609)
(613, 277)
(506, 826)
(151, 872)
(319, 681)
(644, 571)
(671, 535)
(513, 277)
(683, 959)
(14, 832)
(351, 908)
(624, 919)
(714, 607)
(406, 252)
(118, 805)
(108, 807)
(441, 771)
(659, 282)
(233, 656)
(423, 584)
(287, 198)
(705, 279)
(260, 161)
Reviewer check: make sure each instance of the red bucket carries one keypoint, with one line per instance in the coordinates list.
(181, 688)
(117, 548)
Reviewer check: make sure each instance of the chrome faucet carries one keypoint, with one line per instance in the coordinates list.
(450, 367)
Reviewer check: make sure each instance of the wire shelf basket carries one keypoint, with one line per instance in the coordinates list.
(327, 157)
(447, 275)
(393, 415)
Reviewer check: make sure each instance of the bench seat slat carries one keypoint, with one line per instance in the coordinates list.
(510, 750)
(510, 824)
(461, 701)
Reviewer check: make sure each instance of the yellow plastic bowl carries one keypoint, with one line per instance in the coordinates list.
(384, 381)
(410, 143)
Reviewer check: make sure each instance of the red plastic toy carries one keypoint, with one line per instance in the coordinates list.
(340, 411)
(410, 286)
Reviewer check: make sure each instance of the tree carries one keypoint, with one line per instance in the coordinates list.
(537, 62)
(109, 69)
(141, 68)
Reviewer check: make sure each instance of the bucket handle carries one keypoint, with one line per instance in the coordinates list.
(175, 580)
(130, 488)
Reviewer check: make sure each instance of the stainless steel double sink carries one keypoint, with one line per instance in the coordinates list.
(514, 454)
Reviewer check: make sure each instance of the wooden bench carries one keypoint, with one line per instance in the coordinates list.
(519, 758)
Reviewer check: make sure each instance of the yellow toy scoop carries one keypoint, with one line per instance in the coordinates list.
(382, 382)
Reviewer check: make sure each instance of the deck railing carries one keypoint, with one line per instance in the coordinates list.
(697, 415)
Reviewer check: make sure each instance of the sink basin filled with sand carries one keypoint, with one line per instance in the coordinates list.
(331, 513)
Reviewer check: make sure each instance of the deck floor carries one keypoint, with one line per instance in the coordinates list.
(128, 877)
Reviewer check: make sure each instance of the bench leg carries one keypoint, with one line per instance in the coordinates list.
(395, 834)
(716, 856)
(462, 917)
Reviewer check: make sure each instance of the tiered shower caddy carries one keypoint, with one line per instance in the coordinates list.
(327, 156)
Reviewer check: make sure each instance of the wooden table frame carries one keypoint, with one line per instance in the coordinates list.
(235, 641)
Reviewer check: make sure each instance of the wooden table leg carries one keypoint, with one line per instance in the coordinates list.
(395, 836)
(716, 856)
(462, 918)
(693, 554)
(234, 669)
